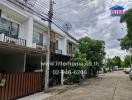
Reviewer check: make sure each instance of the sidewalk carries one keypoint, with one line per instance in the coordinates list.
(53, 91)
(36, 96)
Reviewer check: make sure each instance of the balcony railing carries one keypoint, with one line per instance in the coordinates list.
(69, 53)
(53, 49)
(11, 40)
(43, 47)
(57, 51)
(40, 47)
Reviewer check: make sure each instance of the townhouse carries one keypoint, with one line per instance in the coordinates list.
(23, 50)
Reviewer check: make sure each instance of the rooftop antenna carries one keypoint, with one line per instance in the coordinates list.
(67, 26)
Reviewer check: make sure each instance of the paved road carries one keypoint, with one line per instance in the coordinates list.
(113, 86)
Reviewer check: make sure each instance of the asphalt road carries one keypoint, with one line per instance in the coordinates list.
(112, 86)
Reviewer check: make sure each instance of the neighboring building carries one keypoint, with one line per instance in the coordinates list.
(23, 39)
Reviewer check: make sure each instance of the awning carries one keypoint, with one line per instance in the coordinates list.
(11, 48)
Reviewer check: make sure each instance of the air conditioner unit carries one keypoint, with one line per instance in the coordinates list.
(2, 37)
(56, 51)
(40, 47)
(12, 40)
(34, 45)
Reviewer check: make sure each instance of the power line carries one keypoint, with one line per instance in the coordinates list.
(41, 7)
(56, 17)
(39, 14)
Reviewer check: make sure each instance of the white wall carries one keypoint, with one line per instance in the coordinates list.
(27, 24)
(9, 17)
(65, 46)
(27, 28)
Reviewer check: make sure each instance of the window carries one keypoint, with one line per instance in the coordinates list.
(69, 48)
(4, 26)
(38, 38)
(9, 28)
(14, 30)
(57, 45)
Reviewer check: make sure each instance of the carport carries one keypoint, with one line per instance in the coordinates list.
(22, 66)
(18, 59)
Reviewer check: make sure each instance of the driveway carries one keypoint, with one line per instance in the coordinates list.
(112, 86)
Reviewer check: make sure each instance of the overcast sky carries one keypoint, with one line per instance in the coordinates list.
(92, 18)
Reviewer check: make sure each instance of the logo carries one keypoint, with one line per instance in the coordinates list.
(117, 10)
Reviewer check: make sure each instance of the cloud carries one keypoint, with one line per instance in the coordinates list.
(116, 52)
(92, 18)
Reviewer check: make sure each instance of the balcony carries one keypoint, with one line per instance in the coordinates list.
(57, 51)
(53, 49)
(69, 53)
(11, 40)
(40, 47)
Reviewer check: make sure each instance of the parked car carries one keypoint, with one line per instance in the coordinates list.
(120, 68)
(130, 73)
(126, 70)
(115, 68)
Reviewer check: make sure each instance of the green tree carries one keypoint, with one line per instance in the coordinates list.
(126, 61)
(79, 58)
(94, 49)
(126, 42)
(95, 52)
(79, 63)
(117, 61)
(110, 63)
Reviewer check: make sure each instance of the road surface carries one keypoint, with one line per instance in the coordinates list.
(112, 86)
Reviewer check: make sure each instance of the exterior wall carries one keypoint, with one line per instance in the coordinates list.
(28, 24)
(28, 31)
(25, 29)
(9, 17)
(64, 46)
(53, 37)
(23, 18)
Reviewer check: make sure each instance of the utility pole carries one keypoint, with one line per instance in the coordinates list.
(130, 57)
(50, 15)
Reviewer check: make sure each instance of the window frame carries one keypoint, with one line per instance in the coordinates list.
(57, 44)
(8, 33)
(40, 42)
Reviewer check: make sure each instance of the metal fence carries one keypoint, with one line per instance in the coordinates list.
(19, 85)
